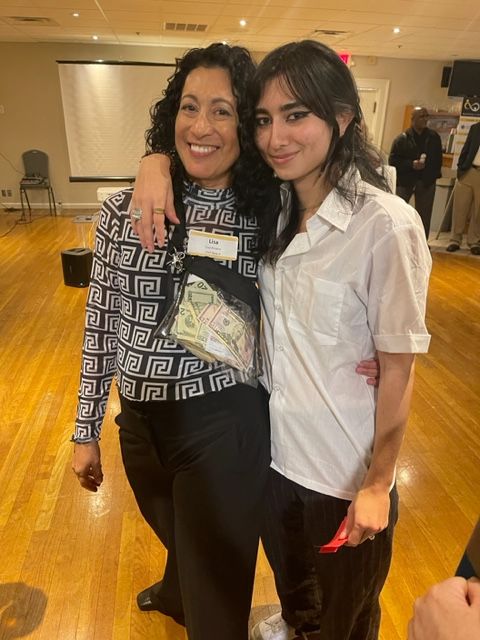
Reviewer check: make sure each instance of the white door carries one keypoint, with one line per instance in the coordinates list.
(369, 104)
(373, 100)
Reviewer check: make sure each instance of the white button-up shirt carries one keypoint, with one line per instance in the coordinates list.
(354, 282)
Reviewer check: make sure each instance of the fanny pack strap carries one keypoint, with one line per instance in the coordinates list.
(207, 268)
(176, 261)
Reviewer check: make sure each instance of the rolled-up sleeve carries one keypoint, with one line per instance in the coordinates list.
(397, 298)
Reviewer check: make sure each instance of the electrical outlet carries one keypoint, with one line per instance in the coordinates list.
(4, 193)
(9, 193)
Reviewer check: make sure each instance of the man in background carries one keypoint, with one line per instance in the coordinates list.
(466, 197)
(417, 156)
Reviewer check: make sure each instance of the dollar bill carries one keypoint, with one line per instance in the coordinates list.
(186, 323)
(210, 329)
(235, 332)
(198, 352)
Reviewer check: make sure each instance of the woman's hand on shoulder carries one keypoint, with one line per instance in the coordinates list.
(86, 464)
(152, 201)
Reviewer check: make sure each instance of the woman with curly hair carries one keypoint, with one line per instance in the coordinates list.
(194, 439)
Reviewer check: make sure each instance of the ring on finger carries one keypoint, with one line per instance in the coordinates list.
(137, 214)
(159, 210)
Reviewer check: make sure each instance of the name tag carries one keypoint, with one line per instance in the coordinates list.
(212, 245)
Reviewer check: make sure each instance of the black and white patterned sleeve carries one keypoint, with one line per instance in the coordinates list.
(99, 353)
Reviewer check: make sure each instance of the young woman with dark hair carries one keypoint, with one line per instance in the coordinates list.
(344, 274)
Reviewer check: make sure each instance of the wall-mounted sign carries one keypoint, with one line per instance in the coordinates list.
(471, 107)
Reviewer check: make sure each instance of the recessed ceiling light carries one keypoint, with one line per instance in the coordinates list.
(243, 23)
(396, 29)
(75, 14)
(94, 37)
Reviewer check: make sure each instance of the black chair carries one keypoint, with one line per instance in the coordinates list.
(36, 176)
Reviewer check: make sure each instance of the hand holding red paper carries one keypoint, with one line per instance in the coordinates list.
(367, 515)
(338, 540)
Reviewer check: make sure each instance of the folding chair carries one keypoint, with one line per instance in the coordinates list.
(36, 176)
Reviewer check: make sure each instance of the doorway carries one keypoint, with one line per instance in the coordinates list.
(373, 100)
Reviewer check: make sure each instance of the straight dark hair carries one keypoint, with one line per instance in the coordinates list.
(315, 75)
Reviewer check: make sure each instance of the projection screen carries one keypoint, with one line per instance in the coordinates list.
(106, 109)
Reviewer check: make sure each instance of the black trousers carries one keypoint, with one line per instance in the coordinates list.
(424, 197)
(198, 469)
(336, 593)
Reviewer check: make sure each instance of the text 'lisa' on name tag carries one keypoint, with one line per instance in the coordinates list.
(212, 245)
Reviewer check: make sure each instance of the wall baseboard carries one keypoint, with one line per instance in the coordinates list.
(44, 205)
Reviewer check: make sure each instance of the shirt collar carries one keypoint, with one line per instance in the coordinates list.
(335, 209)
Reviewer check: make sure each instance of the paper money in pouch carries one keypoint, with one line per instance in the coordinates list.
(215, 326)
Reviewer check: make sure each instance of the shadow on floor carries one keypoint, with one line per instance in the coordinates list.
(21, 609)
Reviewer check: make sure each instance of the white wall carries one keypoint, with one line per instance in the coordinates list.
(33, 114)
(33, 117)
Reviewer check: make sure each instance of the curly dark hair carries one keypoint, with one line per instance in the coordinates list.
(250, 175)
(316, 76)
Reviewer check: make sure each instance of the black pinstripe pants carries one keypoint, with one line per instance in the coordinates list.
(336, 593)
(198, 469)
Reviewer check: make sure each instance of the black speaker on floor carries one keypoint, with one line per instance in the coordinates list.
(446, 71)
(77, 265)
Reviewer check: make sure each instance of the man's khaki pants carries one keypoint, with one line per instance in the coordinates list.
(466, 207)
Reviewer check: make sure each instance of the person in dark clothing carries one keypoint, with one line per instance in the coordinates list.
(194, 436)
(466, 197)
(417, 156)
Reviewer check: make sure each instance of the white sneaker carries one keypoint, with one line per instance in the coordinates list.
(272, 628)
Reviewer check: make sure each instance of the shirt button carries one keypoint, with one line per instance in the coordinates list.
(280, 348)
(278, 306)
(276, 387)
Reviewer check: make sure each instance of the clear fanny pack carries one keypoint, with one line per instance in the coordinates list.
(215, 314)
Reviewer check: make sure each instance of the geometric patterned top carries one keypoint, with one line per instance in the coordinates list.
(125, 302)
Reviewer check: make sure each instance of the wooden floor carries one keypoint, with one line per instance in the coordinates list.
(72, 562)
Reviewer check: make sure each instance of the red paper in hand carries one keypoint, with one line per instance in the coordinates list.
(336, 542)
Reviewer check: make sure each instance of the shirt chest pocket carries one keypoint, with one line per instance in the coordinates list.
(316, 308)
